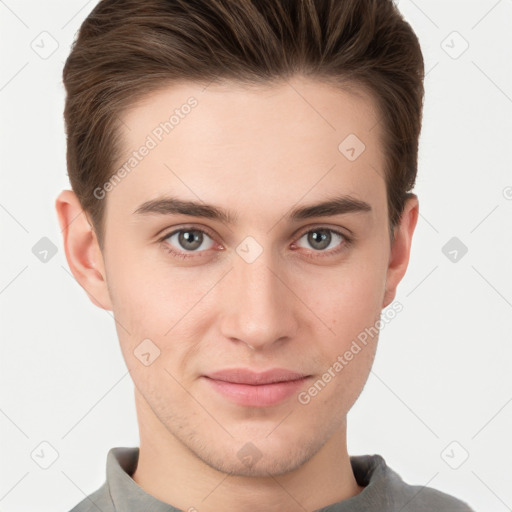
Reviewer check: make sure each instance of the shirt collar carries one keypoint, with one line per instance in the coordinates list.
(370, 472)
(127, 494)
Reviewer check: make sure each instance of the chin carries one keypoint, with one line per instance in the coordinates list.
(250, 461)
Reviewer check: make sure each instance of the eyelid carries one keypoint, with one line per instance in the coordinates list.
(338, 229)
(190, 227)
(298, 234)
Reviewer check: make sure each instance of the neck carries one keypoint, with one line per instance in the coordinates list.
(170, 472)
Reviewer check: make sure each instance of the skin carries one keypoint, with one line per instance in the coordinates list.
(259, 152)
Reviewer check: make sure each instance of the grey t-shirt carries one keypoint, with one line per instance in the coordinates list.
(384, 490)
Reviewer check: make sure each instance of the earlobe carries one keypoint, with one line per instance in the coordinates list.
(82, 250)
(401, 248)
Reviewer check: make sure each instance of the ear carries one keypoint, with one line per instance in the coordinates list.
(82, 249)
(401, 248)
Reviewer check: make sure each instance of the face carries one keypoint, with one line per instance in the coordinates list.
(251, 278)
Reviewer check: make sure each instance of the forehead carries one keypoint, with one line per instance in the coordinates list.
(250, 145)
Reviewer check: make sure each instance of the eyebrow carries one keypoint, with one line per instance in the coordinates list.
(169, 205)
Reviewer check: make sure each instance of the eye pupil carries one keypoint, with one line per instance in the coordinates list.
(195, 238)
(324, 236)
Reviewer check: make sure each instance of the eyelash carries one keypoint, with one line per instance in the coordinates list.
(347, 241)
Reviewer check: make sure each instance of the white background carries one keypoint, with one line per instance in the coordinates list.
(442, 372)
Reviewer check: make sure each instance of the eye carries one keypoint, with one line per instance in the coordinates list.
(189, 242)
(184, 240)
(321, 239)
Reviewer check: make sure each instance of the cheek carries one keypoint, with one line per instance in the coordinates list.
(348, 298)
(348, 349)
(151, 300)
(351, 307)
(148, 292)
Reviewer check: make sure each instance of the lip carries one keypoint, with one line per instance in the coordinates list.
(256, 389)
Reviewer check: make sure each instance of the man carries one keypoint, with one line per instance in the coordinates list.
(241, 177)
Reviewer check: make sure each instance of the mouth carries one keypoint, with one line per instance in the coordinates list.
(256, 389)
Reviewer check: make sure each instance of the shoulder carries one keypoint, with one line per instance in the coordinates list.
(98, 500)
(425, 499)
(382, 483)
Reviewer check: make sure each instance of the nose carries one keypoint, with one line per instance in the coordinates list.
(258, 308)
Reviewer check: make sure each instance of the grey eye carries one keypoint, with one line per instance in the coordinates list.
(189, 239)
(321, 238)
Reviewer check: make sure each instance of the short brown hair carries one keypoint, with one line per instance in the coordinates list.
(126, 49)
